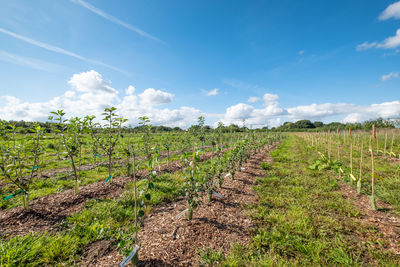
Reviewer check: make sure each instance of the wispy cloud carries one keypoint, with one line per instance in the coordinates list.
(57, 49)
(212, 92)
(392, 75)
(365, 46)
(301, 52)
(253, 99)
(391, 42)
(115, 20)
(28, 62)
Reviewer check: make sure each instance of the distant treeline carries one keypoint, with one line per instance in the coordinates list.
(307, 125)
(301, 125)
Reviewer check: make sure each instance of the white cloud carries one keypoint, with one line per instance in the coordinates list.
(91, 81)
(319, 111)
(268, 98)
(130, 90)
(212, 92)
(69, 94)
(301, 52)
(266, 116)
(392, 11)
(392, 75)
(384, 110)
(56, 49)
(239, 112)
(351, 112)
(15, 109)
(115, 20)
(391, 42)
(90, 93)
(253, 99)
(366, 46)
(152, 97)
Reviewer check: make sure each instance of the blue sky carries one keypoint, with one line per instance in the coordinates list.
(318, 60)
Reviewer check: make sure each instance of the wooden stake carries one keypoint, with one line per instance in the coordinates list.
(329, 147)
(351, 158)
(359, 179)
(351, 163)
(391, 146)
(384, 148)
(373, 206)
(373, 132)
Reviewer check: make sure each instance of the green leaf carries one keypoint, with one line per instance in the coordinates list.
(150, 185)
(378, 176)
(147, 196)
(141, 213)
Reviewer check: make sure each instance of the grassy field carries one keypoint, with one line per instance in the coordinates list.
(302, 219)
(300, 215)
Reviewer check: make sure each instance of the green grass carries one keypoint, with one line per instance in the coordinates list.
(386, 189)
(302, 220)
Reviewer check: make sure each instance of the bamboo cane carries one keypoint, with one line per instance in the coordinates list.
(359, 179)
(373, 205)
(391, 146)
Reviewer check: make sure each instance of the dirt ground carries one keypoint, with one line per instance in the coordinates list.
(47, 212)
(167, 240)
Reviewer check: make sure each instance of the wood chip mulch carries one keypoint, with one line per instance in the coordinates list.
(46, 213)
(166, 240)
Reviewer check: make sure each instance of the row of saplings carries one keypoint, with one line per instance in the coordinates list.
(21, 159)
(199, 178)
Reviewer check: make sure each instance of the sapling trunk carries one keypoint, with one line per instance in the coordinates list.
(76, 185)
(136, 258)
(25, 200)
(109, 164)
(168, 157)
(190, 213)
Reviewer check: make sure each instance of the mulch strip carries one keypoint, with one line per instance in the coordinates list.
(46, 213)
(166, 240)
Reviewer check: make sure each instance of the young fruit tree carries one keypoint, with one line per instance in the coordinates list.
(72, 131)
